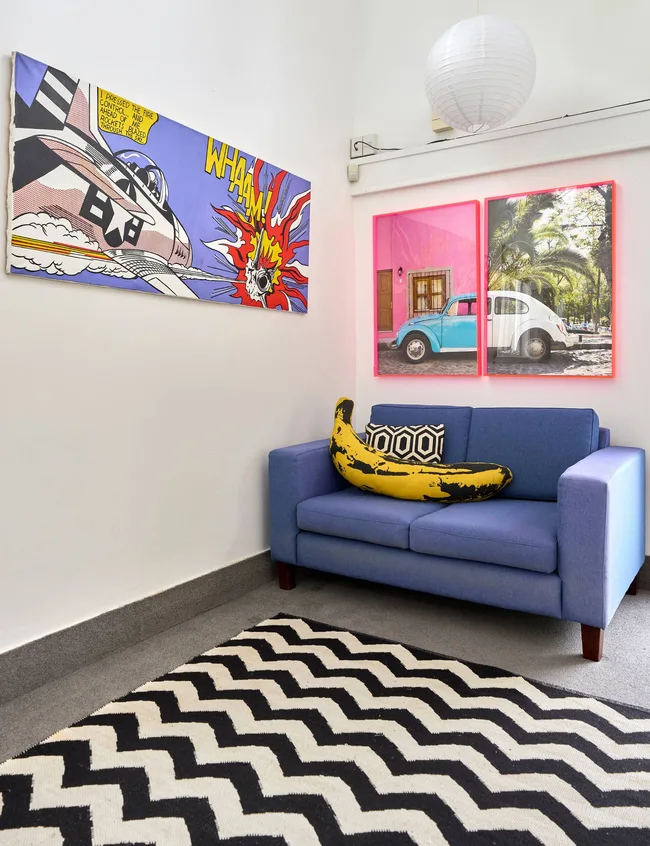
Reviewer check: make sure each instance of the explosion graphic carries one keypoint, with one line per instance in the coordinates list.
(262, 241)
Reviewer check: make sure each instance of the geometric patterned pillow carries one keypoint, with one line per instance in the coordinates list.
(421, 444)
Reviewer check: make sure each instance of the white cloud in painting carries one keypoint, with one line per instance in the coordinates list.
(44, 227)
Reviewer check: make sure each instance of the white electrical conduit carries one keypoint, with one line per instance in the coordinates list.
(612, 129)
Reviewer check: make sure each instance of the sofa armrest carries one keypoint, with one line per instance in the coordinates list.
(297, 473)
(601, 532)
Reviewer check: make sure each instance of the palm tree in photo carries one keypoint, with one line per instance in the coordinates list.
(589, 218)
(529, 253)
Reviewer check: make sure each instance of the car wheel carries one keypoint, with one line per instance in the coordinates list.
(416, 347)
(535, 346)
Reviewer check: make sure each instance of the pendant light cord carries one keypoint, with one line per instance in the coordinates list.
(544, 120)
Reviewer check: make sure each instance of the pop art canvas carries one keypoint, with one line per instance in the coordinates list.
(426, 285)
(106, 192)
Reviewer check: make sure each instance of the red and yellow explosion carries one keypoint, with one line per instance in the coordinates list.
(265, 254)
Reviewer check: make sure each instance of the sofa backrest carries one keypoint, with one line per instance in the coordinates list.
(537, 444)
(456, 419)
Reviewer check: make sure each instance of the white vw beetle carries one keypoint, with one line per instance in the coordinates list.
(524, 325)
(516, 322)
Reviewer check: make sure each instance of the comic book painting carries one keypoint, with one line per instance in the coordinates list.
(106, 192)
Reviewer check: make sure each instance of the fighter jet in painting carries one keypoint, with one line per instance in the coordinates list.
(77, 205)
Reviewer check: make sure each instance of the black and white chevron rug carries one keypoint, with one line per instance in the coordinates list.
(298, 733)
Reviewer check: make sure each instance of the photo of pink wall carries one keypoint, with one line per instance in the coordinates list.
(423, 260)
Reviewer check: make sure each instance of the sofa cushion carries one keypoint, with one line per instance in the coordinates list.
(537, 444)
(456, 420)
(359, 515)
(505, 587)
(514, 533)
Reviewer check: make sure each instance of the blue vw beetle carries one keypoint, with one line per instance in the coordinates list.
(453, 330)
(516, 323)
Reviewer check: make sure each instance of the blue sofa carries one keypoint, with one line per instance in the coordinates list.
(566, 538)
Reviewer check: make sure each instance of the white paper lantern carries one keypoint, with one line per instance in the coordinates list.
(480, 73)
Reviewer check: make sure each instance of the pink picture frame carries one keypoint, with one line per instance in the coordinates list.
(540, 293)
(579, 220)
(422, 258)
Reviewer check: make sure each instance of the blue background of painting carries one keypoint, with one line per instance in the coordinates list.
(180, 152)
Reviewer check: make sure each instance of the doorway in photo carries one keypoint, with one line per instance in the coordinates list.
(426, 275)
(550, 280)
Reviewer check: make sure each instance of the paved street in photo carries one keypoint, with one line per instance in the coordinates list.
(393, 362)
(583, 361)
(575, 362)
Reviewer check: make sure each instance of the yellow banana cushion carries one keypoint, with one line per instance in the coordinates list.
(371, 470)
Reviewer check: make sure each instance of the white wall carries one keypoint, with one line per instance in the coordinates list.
(134, 429)
(622, 403)
(590, 53)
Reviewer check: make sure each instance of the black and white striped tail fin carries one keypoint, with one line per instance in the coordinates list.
(51, 104)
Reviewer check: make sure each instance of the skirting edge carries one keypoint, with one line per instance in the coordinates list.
(35, 663)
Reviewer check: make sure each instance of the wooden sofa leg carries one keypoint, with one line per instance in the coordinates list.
(592, 642)
(634, 587)
(286, 576)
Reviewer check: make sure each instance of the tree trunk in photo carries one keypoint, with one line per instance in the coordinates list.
(603, 254)
(597, 312)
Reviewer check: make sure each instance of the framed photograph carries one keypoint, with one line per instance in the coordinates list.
(550, 282)
(426, 276)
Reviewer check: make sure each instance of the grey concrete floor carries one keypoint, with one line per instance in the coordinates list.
(536, 647)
